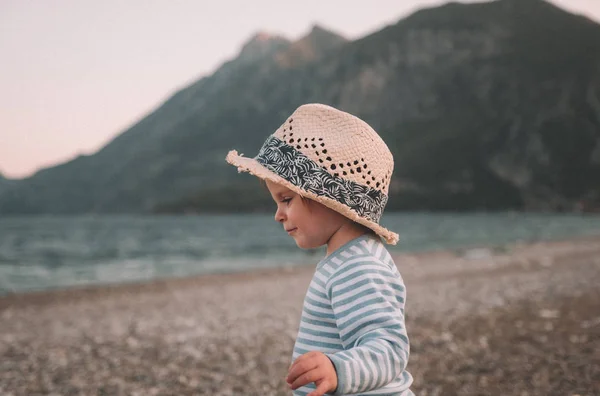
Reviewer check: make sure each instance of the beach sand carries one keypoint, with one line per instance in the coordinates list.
(520, 320)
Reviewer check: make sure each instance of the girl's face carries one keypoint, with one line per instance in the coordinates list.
(310, 223)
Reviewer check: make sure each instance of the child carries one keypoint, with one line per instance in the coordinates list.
(329, 173)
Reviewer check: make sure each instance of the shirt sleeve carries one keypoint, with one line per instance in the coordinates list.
(367, 299)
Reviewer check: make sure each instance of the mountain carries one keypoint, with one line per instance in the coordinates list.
(487, 106)
(310, 48)
(260, 46)
(4, 183)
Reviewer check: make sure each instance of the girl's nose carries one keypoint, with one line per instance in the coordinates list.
(279, 217)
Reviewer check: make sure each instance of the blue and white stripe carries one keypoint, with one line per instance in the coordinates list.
(354, 313)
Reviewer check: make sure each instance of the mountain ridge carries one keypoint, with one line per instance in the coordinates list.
(480, 113)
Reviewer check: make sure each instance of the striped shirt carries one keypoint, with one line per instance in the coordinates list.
(354, 313)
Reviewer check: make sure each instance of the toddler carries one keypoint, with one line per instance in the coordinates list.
(329, 174)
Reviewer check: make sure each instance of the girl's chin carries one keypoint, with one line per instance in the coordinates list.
(302, 244)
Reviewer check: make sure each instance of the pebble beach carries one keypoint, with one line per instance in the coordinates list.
(523, 319)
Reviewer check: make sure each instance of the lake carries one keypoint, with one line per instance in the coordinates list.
(40, 253)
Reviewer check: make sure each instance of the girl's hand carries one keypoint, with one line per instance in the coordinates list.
(313, 367)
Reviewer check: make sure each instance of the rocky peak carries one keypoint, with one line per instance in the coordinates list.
(261, 45)
(318, 42)
(323, 38)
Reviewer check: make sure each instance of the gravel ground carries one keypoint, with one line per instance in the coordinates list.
(519, 320)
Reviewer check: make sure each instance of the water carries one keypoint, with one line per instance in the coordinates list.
(38, 253)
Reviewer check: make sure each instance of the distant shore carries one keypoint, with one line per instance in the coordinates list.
(484, 322)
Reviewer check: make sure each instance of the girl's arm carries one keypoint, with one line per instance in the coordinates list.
(368, 302)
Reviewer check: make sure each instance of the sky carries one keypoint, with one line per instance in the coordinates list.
(76, 73)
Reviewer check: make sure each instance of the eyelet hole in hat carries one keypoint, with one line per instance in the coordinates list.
(333, 166)
(328, 158)
(325, 151)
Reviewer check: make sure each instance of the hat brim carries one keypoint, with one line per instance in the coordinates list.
(250, 165)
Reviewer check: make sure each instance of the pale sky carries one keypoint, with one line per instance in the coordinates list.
(76, 73)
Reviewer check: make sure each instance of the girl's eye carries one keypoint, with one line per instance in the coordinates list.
(286, 200)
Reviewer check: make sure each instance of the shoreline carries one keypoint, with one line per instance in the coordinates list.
(56, 295)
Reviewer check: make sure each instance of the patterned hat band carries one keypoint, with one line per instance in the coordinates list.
(304, 173)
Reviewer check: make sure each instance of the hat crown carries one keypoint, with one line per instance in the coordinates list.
(342, 144)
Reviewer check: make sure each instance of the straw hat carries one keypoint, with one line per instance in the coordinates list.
(331, 157)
